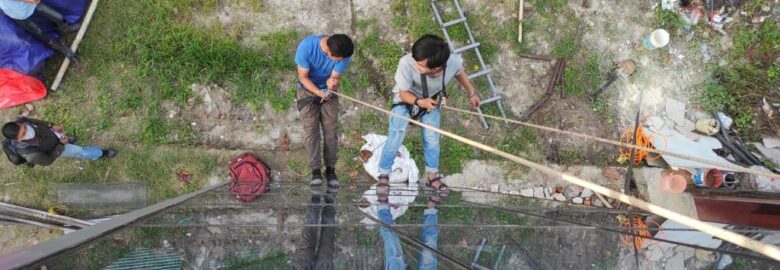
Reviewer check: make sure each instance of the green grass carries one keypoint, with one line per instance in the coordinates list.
(568, 47)
(386, 53)
(604, 109)
(751, 75)
(271, 260)
(518, 141)
(583, 77)
(548, 7)
(155, 166)
(667, 19)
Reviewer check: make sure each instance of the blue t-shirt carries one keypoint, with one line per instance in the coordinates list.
(17, 10)
(310, 56)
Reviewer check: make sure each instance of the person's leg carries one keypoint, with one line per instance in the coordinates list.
(327, 250)
(394, 255)
(306, 256)
(430, 235)
(396, 132)
(50, 14)
(310, 115)
(431, 147)
(33, 29)
(82, 152)
(57, 18)
(329, 117)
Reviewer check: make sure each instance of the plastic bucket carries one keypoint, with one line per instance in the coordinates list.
(657, 39)
(730, 180)
(709, 178)
(674, 183)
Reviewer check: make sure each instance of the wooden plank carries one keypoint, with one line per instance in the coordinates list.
(75, 45)
(44, 215)
(520, 22)
(33, 256)
(603, 200)
(34, 223)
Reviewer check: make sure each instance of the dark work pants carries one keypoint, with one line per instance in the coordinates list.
(318, 117)
(319, 249)
(34, 29)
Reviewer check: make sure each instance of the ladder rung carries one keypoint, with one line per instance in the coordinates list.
(481, 73)
(467, 47)
(454, 22)
(490, 100)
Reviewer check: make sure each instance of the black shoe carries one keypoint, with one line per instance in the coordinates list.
(65, 50)
(109, 153)
(73, 139)
(333, 180)
(65, 29)
(316, 178)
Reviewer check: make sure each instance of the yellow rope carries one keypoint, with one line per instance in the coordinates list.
(729, 166)
(737, 239)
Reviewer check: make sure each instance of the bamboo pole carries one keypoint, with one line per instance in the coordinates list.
(44, 215)
(770, 251)
(75, 45)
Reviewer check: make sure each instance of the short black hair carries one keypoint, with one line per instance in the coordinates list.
(11, 130)
(340, 45)
(433, 48)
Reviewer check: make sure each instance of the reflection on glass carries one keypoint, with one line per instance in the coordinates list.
(319, 250)
(394, 255)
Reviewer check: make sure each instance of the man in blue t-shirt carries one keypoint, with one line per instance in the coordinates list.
(321, 60)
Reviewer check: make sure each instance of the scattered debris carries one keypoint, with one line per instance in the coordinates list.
(768, 111)
(586, 193)
(610, 173)
(708, 126)
(676, 142)
(556, 79)
(284, 140)
(623, 69)
(184, 176)
(675, 110)
(539, 192)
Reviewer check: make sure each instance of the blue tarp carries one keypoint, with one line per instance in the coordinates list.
(23, 53)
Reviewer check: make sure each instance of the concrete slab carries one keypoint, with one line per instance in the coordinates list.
(102, 198)
(675, 110)
(675, 142)
(680, 203)
(772, 154)
(772, 142)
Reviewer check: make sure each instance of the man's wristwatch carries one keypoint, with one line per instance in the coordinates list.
(415, 101)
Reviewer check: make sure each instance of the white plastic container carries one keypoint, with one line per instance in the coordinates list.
(657, 39)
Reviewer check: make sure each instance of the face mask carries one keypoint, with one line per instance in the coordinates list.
(29, 133)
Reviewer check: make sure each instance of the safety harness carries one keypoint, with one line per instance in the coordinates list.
(414, 111)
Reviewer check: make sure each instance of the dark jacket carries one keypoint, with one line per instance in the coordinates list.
(42, 150)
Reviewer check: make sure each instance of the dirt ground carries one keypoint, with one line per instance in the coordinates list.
(611, 30)
(17, 237)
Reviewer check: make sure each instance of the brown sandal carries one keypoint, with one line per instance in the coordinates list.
(383, 189)
(442, 189)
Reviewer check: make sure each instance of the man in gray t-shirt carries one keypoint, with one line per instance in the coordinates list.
(429, 63)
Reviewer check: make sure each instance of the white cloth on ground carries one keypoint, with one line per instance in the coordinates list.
(404, 178)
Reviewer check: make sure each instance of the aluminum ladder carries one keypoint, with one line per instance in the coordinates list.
(472, 45)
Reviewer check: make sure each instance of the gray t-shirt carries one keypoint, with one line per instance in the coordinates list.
(408, 78)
